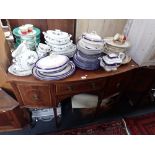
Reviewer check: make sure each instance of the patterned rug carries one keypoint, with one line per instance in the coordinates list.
(109, 128)
(141, 125)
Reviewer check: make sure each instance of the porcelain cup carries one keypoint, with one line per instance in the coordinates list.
(23, 29)
(29, 27)
(43, 47)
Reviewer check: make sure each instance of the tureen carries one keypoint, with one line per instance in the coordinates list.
(112, 61)
(52, 62)
(92, 36)
(56, 34)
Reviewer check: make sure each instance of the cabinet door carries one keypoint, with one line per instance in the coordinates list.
(143, 80)
(117, 83)
(5, 121)
(35, 95)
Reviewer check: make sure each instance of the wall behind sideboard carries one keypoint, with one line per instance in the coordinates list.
(103, 27)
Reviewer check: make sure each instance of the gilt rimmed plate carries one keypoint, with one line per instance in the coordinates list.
(109, 40)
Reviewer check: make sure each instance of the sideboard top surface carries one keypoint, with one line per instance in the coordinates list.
(79, 75)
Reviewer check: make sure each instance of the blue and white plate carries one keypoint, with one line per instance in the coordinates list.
(86, 59)
(86, 62)
(85, 66)
(57, 76)
(95, 56)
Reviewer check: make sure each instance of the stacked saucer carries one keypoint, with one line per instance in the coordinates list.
(60, 42)
(117, 44)
(53, 67)
(32, 38)
(89, 49)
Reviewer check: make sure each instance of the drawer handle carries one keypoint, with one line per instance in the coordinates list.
(35, 97)
(93, 85)
(70, 88)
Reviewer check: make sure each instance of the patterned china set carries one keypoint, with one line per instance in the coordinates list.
(89, 49)
(53, 60)
(53, 67)
(29, 34)
(60, 42)
(115, 49)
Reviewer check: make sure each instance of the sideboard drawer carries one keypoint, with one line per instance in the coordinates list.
(35, 95)
(79, 87)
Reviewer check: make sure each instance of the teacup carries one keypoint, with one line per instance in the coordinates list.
(29, 27)
(44, 47)
(23, 29)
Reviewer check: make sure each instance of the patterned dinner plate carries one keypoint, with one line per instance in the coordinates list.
(57, 76)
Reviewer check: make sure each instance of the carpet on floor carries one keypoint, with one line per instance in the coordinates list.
(106, 128)
(141, 125)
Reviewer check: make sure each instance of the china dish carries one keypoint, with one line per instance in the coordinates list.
(23, 61)
(127, 59)
(86, 50)
(57, 34)
(32, 36)
(92, 44)
(89, 49)
(36, 31)
(110, 41)
(12, 69)
(60, 42)
(92, 37)
(69, 70)
(52, 62)
(87, 65)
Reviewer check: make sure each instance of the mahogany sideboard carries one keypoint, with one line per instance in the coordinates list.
(33, 93)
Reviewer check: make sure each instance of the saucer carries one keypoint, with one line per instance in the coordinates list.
(13, 71)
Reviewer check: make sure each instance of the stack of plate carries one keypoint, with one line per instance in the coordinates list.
(53, 67)
(89, 50)
(32, 39)
(111, 46)
(60, 42)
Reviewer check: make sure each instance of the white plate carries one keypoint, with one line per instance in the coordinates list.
(110, 41)
(52, 61)
(64, 71)
(63, 76)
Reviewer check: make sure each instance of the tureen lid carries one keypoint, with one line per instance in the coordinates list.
(92, 36)
(57, 34)
(52, 61)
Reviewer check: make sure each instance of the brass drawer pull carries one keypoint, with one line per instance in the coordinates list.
(35, 97)
(70, 88)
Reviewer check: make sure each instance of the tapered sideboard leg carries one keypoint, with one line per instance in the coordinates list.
(56, 117)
